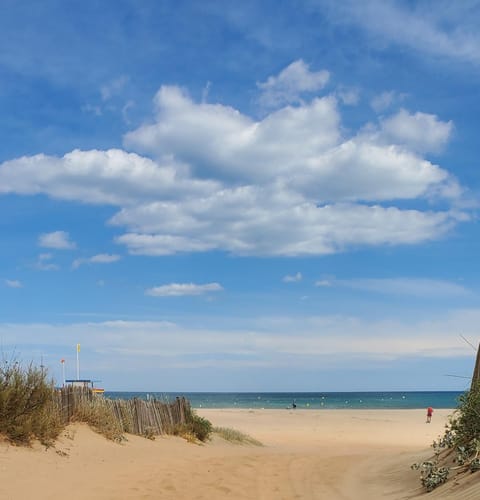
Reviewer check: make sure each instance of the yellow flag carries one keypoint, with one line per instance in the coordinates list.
(78, 347)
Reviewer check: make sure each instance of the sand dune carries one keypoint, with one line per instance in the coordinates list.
(307, 454)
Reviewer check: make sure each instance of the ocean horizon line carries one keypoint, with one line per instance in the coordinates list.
(304, 400)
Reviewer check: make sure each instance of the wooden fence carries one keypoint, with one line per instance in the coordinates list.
(135, 416)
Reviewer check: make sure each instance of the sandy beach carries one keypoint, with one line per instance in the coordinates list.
(306, 454)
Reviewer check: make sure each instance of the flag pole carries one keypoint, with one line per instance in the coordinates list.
(78, 362)
(63, 371)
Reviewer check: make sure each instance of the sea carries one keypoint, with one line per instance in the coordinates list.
(305, 400)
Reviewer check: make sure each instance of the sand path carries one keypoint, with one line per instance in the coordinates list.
(307, 454)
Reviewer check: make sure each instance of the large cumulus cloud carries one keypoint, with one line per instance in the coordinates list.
(204, 176)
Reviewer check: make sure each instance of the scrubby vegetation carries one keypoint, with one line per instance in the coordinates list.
(195, 428)
(31, 408)
(458, 450)
(99, 415)
(28, 409)
(201, 427)
(234, 436)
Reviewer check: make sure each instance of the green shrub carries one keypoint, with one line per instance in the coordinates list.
(465, 424)
(201, 427)
(28, 408)
(431, 475)
(195, 428)
(459, 447)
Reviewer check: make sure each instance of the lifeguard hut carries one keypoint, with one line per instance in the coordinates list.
(81, 382)
(85, 383)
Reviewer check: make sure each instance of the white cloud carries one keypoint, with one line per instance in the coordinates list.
(374, 171)
(102, 177)
(334, 340)
(43, 263)
(288, 184)
(125, 108)
(113, 87)
(101, 258)
(218, 141)
(416, 287)
(301, 147)
(348, 95)
(159, 244)
(325, 283)
(419, 131)
(260, 222)
(59, 240)
(383, 101)
(290, 84)
(206, 91)
(292, 278)
(104, 258)
(14, 283)
(180, 289)
(439, 28)
(94, 110)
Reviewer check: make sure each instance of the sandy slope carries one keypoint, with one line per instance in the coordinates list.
(345, 454)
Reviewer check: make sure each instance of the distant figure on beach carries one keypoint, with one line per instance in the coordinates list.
(429, 414)
(294, 405)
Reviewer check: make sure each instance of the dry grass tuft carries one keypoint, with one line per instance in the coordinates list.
(236, 437)
(98, 414)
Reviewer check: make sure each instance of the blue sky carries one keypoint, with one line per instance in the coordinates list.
(227, 196)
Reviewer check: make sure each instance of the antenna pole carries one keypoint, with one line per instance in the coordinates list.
(469, 343)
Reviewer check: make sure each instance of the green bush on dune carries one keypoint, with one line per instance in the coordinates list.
(27, 407)
(195, 428)
(201, 427)
(459, 448)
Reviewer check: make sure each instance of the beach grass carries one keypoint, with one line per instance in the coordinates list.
(235, 436)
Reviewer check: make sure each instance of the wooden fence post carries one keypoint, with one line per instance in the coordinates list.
(476, 370)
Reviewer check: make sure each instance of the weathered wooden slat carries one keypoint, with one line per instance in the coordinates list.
(135, 416)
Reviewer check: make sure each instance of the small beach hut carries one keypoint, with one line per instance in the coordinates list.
(84, 383)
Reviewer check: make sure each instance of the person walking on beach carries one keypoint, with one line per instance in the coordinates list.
(429, 414)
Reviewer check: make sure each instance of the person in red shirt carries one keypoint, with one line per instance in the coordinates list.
(429, 414)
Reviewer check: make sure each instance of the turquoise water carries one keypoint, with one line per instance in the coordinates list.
(306, 400)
